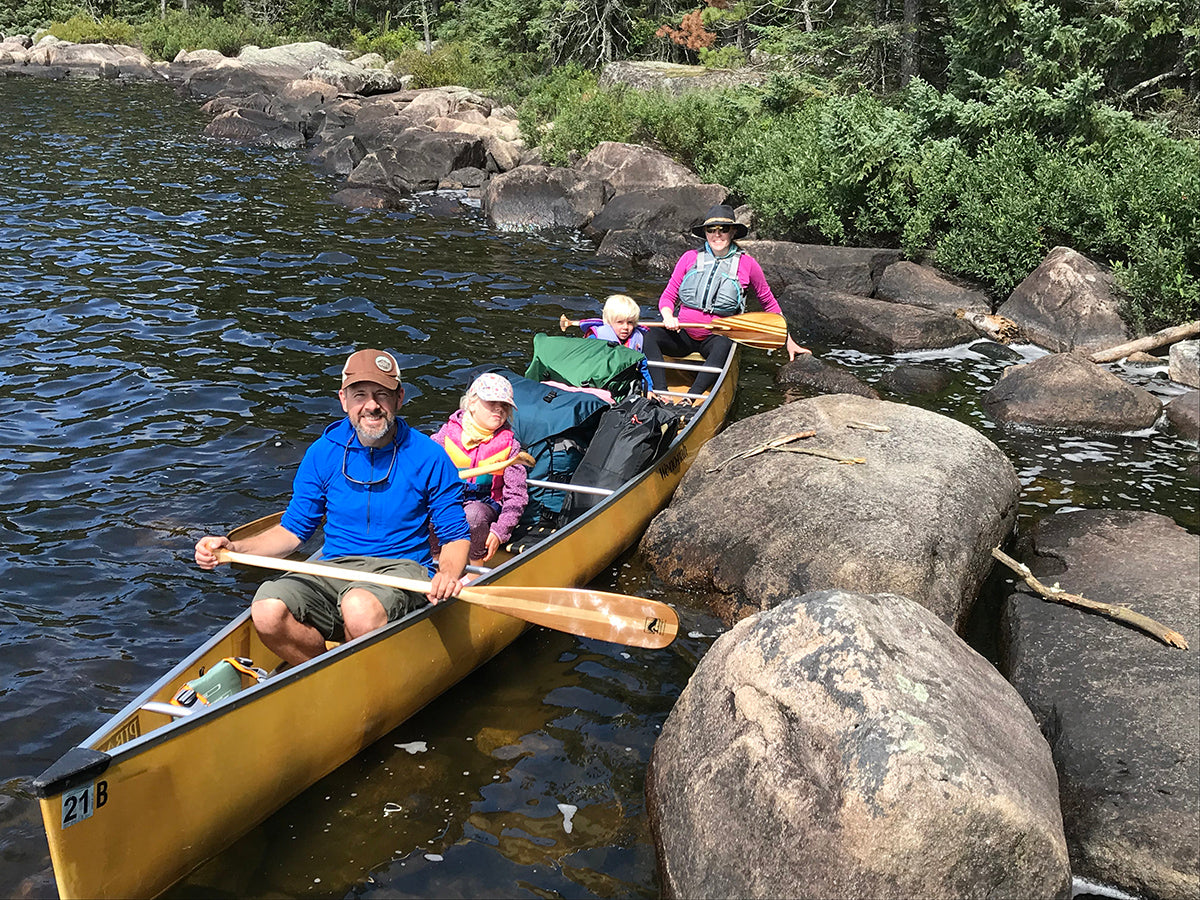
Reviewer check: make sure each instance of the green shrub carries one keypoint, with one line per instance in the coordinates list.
(390, 43)
(83, 29)
(198, 30)
(448, 64)
(829, 170)
(727, 57)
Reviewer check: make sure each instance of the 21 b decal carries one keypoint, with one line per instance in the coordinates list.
(80, 803)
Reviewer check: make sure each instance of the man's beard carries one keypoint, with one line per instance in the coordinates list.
(368, 433)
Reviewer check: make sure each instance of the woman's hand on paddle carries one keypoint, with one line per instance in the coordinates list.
(206, 550)
(795, 349)
(670, 320)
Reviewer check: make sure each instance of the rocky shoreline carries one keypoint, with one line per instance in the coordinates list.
(851, 737)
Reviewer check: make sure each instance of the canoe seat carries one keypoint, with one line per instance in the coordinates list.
(525, 536)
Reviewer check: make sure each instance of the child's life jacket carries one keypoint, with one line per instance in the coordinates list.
(598, 328)
(712, 286)
(500, 446)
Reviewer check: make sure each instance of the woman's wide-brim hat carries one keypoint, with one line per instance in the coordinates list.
(721, 214)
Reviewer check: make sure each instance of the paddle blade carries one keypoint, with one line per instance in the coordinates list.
(766, 331)
(622, 619)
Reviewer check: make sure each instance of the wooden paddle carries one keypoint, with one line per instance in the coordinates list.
(619, 618)
(266, 522)
(521, 459)
(766, 331)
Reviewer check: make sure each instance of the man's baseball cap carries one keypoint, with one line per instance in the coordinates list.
(376, 366)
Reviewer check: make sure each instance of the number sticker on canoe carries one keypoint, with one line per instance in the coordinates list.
(80, 803)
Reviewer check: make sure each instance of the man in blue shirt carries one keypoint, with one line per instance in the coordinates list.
(378, 485)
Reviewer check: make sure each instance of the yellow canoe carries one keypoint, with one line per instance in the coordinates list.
(150, 795)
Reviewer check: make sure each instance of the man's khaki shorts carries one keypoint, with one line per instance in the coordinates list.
(317, 601)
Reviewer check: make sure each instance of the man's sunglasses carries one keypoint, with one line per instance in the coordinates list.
(718, 229)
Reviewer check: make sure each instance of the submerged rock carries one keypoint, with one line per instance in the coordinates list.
(1118, 707)
(849, 745)
(919, 515)
(813, 376)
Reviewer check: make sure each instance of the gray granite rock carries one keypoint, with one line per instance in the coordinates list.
(919, 516)
(1118, 707)
(845, 745)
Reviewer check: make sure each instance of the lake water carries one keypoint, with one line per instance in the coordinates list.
(174, 316)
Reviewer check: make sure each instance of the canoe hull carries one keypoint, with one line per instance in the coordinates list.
(162, 796)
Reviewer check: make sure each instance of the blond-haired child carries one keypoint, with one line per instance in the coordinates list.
(619, 325)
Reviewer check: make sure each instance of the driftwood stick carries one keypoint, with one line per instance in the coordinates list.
(1149, 342)
(998, 328)
(762, 448)
(1120, 613)
(844, 460)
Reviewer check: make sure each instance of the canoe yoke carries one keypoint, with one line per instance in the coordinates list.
(77, 766)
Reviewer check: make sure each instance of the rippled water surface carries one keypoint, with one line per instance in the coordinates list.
(173, 315)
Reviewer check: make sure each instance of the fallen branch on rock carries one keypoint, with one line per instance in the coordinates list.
(844, 460)
(762, 448)
(998, 328)
(1120, 613)
(868, 426)
(1149, 342)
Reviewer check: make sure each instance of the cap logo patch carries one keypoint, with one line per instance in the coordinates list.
(383, 363)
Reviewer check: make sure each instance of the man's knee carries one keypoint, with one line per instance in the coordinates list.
(270, 615)
(362, 612)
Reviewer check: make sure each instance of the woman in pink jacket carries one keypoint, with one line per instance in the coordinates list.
(708, 283)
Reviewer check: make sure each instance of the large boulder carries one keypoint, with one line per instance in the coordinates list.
(849, 745)
(911, 379)
(1184, 363)
(657, 251)
(916, 285)
(919, 517)
(418, 160)
(531, 197)
(104, 60)
(1068, 303)
(632, 167)
(853, 270)
(675, 78)
(1066, 390)
(353, 78)
(1184, 413)
(670, 210)
(875, 326)
(254, 128)
(1118, 707)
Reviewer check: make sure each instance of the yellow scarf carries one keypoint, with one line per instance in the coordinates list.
(473, 434)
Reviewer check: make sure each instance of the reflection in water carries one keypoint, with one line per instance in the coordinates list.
(175, 314)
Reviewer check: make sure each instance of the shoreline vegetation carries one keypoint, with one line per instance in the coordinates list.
(969, 142)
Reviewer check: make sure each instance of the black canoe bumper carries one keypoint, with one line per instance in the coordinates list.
(75, 767)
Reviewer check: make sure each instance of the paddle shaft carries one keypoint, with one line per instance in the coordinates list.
(633, 621)
(766, 331)
(522, 459)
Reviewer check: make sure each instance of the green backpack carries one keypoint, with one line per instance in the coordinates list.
(586, 362)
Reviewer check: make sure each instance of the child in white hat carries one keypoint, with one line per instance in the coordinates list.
(478, 434)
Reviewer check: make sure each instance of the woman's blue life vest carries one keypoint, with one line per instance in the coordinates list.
(712, 286)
